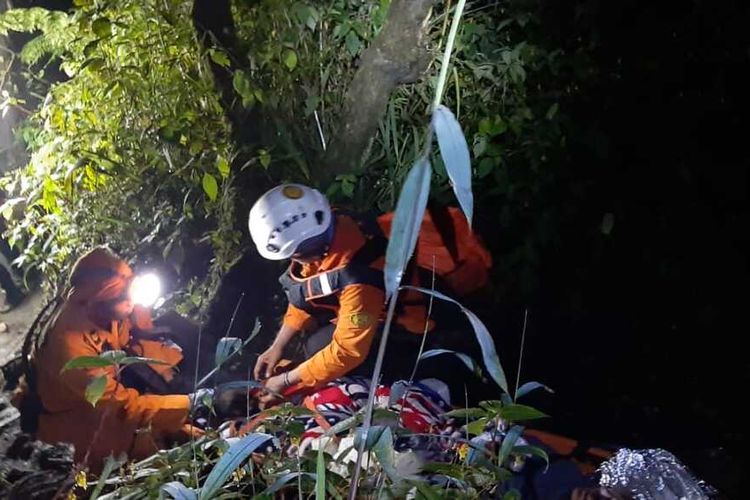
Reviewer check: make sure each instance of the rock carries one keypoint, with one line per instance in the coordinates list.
(30, 469)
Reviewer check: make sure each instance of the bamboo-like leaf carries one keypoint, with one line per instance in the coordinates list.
(455, 153)
(470, 363)
(489, 353)
(110, 465)
(178, 491)
(380, 442)
(531, 386)
(320, 475)
(237, 453)
(284, 480)
(509, 442)
(225, 348)
(406, 224)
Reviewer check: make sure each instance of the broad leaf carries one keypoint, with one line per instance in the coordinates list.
(95, 389)
(210, 186)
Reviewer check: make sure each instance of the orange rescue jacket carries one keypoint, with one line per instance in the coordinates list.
(346, 287)
(123, 420)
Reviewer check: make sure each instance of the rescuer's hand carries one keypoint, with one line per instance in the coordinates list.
(275, 386)
(267, 362)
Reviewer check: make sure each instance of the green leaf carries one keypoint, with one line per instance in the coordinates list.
(492, 126)
(241, 84)
(477, 427)
(352, 42)
(222, 165)
(486, 165)
(341, 30)
(509, 442)
(467, 360)
(114, 356)
(131, 360)
(320, 473)
(427, 491)
(344, 425)
(90, 48)
(237, 453)
(457, 471)
(283, 481)
(347, 187)
(406, 223)
(312, 18)
(507, 56)
(552, 111)
(530, 450)
(531, 386)
(486, 342)
(94, 64)
(608, 223)
(95, 389)
(380, 441)
(265, 158)
(226, 347)
(455, 153)
(219, 57)
(110, 465)
(513, 494)
(290, 59)
(178, 491)
(87, 362)
(210, 186)
(517, 413)
(471, 413)
(102, 27)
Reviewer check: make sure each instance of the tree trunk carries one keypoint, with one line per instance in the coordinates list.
(397, 56)
(214, 25)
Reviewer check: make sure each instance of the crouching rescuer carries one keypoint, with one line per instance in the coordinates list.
(96, 316)
(335, 284)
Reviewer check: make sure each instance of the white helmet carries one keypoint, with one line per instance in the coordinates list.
(285, 217)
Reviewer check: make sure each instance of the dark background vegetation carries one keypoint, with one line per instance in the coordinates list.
(641, 332)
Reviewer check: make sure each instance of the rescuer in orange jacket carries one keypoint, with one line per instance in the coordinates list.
(97, 316)
(334, 286)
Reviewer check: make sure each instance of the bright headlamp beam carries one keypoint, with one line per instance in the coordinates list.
(145, 289)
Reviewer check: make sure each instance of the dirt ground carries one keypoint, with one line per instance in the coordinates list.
(17, 322)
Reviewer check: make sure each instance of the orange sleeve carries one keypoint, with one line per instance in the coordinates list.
(360, 309)
(297, 319)
(161, 412)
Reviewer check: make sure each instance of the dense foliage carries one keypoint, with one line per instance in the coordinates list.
(134, 149)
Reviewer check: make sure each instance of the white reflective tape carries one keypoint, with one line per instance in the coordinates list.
(325, 285)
